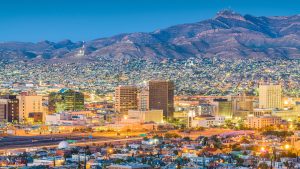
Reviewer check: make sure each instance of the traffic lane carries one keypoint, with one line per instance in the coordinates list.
(34, 141)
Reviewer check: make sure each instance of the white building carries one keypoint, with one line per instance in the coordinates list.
(208, 121)
(68, 118)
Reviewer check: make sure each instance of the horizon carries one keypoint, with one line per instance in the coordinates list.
(83, 21)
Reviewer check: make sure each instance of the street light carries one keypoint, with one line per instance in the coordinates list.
(262, 149)
(287, 147)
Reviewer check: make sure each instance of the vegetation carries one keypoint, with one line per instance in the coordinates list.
(172, 135)
(263, 165)
(281, 134)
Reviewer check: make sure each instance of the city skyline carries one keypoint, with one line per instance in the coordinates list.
(199, 84)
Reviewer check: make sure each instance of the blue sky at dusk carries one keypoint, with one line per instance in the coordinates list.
(55, 20)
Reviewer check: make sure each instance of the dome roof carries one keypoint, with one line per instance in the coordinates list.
(63, 145)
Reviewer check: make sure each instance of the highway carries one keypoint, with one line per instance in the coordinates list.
(22, 143)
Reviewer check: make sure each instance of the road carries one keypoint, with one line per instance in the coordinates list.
(11, 142)
(53, 144)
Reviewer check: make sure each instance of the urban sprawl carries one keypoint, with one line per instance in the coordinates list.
(193, 114)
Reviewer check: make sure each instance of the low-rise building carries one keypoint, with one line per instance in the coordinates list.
(136, 116)
(262, 121)
(207, 121)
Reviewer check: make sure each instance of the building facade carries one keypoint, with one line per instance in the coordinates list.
(143, 99)
(65, 100)
(126, 99)
(262, 121)
(9, 108)
(29, 104)
(270, 96)
(161, 97)
(224, 108)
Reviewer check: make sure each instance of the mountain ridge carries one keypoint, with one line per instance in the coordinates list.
(227, 35)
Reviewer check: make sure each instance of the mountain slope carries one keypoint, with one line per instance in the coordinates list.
(227, 35)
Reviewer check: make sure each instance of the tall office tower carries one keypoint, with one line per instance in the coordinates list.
(3, 117)
(224, 108)
(125, 99)
(9, 107)
(161, 97)
(270, 96)
(29, 104)
(65, 100)
(143, 100)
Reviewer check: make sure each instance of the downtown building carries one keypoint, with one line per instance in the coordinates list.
(9, 109)
(262, 121)
(126, 99)
(65, 100)
(30, 108)
(161, 97)
(158, 95)
(270, 96)
(224, 108)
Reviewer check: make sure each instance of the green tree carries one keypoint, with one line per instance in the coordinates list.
(263, 166)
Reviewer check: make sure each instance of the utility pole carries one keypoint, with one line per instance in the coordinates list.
(85, 149)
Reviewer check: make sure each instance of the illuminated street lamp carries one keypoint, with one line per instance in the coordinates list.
(287, 147)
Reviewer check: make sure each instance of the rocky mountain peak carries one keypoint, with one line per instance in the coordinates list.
(227, 13)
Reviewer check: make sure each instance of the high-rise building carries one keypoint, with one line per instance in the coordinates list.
(244, 102)
(65, 100)
(3, 117)
(161, 97)
(270, 96)
(29, 104)
(126, 99)
(224, 108)
(9, 108)
(243, 105)
(143, 100)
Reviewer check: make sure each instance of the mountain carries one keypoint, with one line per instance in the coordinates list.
(227, 35)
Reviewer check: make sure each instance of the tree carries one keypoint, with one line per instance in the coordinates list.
(176, 152)
(187, 139)
(239, 161)
(244, 140)
(229, 124)
(217, 141)
(263, 165)
(24, 158)
(289, 164)
(172, 135)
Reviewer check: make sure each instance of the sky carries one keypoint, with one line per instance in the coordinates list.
(83, 20)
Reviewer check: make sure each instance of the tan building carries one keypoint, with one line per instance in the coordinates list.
(245, 103)
(155, 116)
(125, 99)
(161, 97)
(288, 115)
(262, 121)
(3, 113)
(261, 112)
(29, 104)
(270, 96)
(143, 100)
